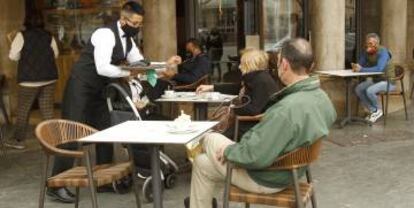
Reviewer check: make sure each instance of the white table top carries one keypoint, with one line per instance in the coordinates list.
(191, 97)
(348, 73)
(147, 132)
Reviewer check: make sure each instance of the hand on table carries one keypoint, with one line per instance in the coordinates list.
(204, 88)
(356, 67)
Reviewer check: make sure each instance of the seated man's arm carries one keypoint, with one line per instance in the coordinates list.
(190, 76)
(260, 146)
(383, 59)
(363, 59)
(185, 77)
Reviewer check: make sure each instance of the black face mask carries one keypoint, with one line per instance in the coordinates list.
(130, 31)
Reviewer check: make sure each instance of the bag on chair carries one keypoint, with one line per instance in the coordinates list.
(225, 114)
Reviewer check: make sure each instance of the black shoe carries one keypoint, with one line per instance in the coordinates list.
(70, 193)
(187, 202)
(105, 189)
(61, 195)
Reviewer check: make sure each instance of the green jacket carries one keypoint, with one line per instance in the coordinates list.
(301, 113)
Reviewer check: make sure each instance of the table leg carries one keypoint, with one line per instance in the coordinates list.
(348, 111)
(201, 111)
(91, 181)
(134, 176)
(156, 176)
(348, 107)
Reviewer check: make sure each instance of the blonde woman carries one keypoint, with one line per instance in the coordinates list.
(257, 85)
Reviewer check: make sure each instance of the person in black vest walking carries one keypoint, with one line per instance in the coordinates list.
(35, 50)
(84, 98)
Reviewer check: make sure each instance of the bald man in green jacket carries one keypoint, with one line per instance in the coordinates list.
(299, 115)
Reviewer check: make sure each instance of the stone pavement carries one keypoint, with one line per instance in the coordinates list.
(360, 172)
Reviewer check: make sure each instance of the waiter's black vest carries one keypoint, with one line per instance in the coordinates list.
(37, 59)
(85, 68)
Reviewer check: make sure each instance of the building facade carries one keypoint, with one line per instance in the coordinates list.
(335, 28)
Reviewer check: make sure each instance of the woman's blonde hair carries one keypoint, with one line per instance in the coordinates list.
(253, 60)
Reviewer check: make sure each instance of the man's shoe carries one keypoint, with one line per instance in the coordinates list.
(105, 189)
(19, 145)
(187, 202)
(70, 193)
(376, 115)
(61, 194)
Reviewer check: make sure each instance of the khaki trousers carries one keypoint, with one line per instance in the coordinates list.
(209, 174)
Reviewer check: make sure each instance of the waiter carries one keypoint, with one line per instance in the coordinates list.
(84, 100)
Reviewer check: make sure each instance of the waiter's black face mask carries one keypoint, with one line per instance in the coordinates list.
(130, 31)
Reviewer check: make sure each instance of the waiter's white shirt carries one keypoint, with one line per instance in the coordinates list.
(104, 41)
(15, 52)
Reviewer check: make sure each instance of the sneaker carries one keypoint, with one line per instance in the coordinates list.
(368, 117)
(19, 145)
(375, 116)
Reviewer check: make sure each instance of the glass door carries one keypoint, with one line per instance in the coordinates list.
(281, 20)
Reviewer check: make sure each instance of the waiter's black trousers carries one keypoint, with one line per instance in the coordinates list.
(85, 104)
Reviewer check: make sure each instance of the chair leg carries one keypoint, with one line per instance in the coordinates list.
(92, 186)
(310, 180)
(299, 202)
(77, 198)
(386, 108)
(405, 106)
(43, 182)
(382, 103)
(227, 185)
(134, 177)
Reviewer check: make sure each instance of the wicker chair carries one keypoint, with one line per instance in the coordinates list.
(51, 134)
(240, 119)
(297, 195)
(399, 76)
(193, 86)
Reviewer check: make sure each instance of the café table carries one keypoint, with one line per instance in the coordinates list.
(154, 134)
(348, 75)
(199, 101)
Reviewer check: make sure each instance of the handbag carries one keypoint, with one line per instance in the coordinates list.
(225, 114)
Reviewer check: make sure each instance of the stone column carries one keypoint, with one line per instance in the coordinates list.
(394, 28)
(328, 33)
(160, 32)
(11, 14)
(328, 42)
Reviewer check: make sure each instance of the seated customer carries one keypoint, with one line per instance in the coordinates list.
(139, 94)
(301, 113)
(375, 58)
(193, 68)
(256, 87)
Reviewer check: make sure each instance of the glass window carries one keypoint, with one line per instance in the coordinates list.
(282, 19)
(217, 27)
(73, 22)
(350, 33)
